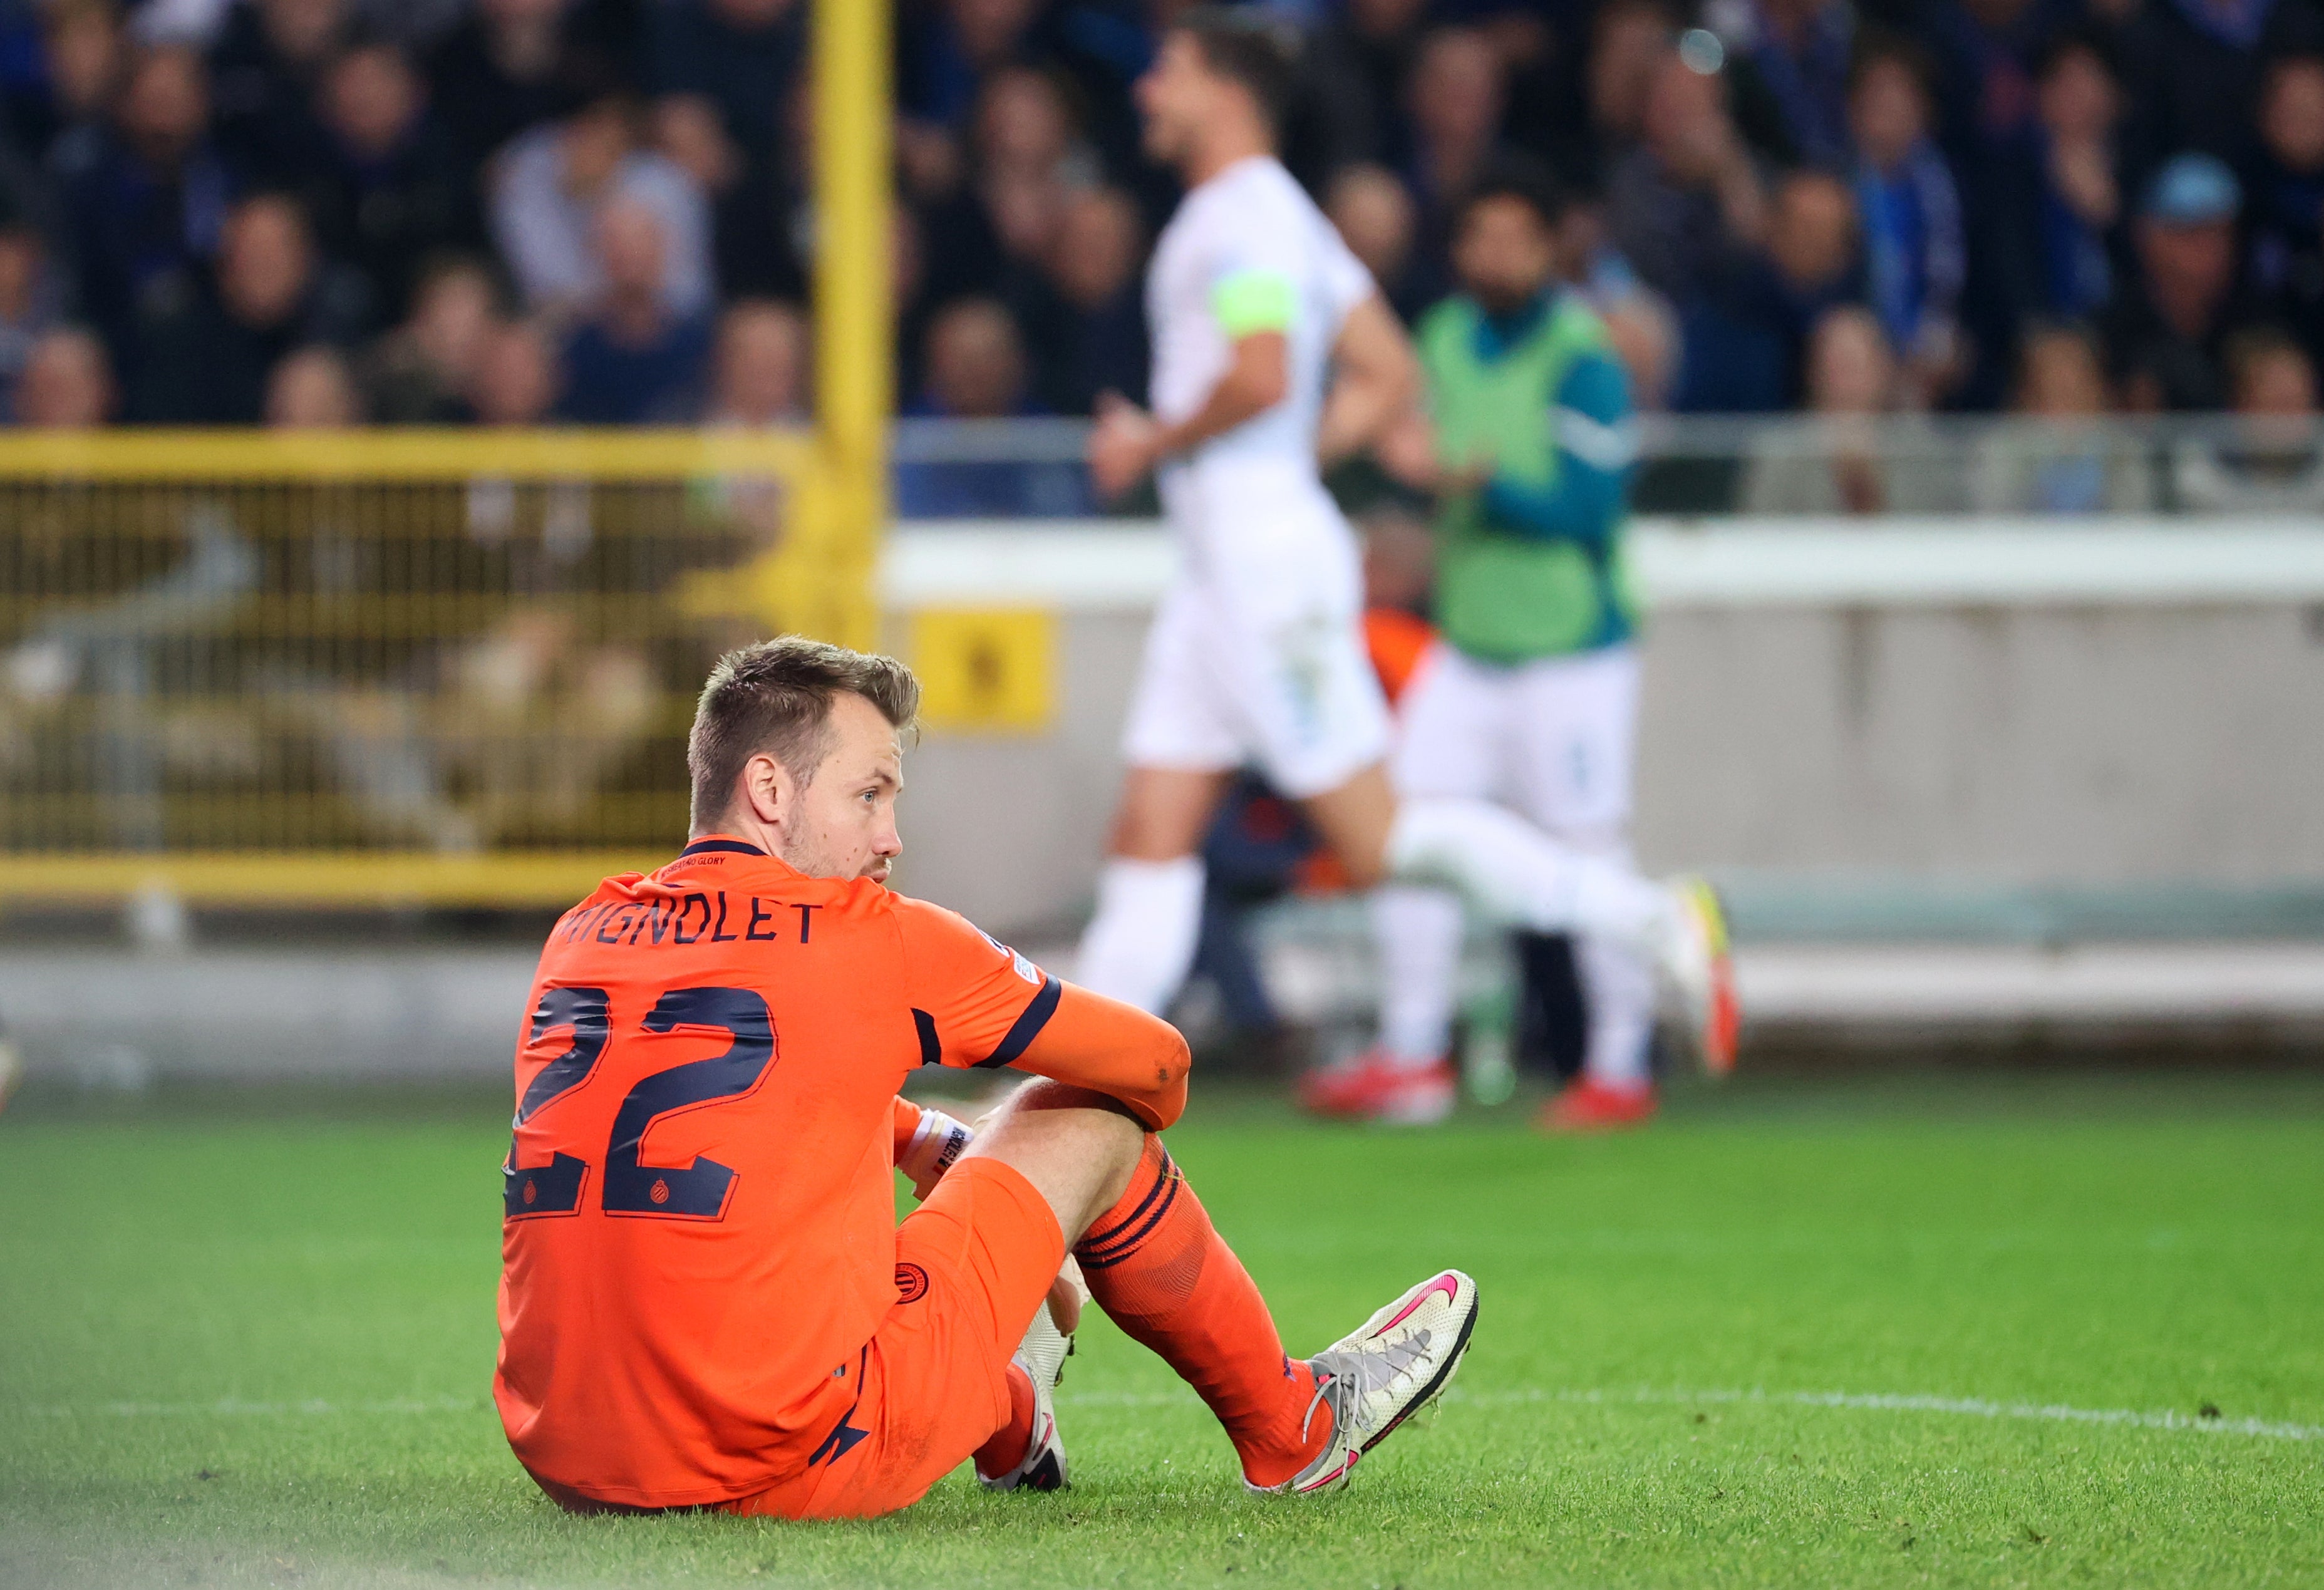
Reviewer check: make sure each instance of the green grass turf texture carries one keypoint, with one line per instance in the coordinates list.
(246, 1345)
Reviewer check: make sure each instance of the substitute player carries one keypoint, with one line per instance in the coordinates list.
(705, 1300)
(1531, 695)
(1256, 653)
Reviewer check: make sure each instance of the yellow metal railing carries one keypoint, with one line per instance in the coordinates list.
(437, 667)
(365, 666)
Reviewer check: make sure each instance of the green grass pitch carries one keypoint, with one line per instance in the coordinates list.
(1963, 1330)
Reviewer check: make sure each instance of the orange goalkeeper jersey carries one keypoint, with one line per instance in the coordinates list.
(698, 1204)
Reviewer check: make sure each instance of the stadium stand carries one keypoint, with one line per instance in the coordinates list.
(209, 186)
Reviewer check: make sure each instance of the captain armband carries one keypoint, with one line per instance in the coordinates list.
(937, 1142)
(1247, 302)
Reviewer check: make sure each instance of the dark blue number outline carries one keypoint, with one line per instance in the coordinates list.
(701, 1189)
(556, 1187)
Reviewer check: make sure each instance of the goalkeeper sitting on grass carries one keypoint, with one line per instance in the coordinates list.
(704, 1299)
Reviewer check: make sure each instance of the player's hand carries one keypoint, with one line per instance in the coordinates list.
(1407, 451)
(1067, 1293)
(1124, 446)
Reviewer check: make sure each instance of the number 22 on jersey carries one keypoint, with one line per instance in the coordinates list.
(629, 1187)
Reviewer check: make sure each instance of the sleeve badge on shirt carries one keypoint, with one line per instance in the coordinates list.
(1025, 968)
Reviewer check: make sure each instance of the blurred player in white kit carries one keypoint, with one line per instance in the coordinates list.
(1274, 355)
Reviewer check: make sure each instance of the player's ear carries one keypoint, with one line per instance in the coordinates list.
(767, 791)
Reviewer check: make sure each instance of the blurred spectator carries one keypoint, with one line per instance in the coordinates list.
(977, 370)
(754, 203)
(2074, 464)
(266, 80)
(31, 296)
(208, 362)
(1354, 67)
(1847, 462)
(761, 381)
(1909, 213)
(516, 378)
(1688, 206)
(513, 65)
(1004, 219)
(1457, 96)
(62, 122)
(2285, 220)
(1791, 61)
(1373, 211)
(387, 188)
(740, 56)
(1628, 47)
(762, 366)
(947, 49)
(1092, 337)
(313, 389)
(145, 210)
(418, 373)
(1741, 342)
(553, 181)
(634, 360)
(976, 363)
(67, 383)
(1985, 54)
(2053, 209)
(2165, 335)
(2192, 71)
(2274, 464)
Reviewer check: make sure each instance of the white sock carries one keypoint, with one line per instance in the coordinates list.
(1418, 933)
(1141, 945)
(1518, 877)
(1617, 991)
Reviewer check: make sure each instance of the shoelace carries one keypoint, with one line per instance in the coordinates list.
(1355, 1374)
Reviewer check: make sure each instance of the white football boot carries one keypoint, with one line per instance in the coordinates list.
(1393, 1366)
(1698, 973)
(1042, 1355)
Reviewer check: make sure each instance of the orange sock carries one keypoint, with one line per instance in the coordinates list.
(1006, 1449)
(1157, 1266)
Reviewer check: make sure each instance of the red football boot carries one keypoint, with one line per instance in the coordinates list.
(1586, 1104)
(1369, 1086)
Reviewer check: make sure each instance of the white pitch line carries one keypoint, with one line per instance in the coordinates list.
(1516, 1396)
(238, 1408)
(1900, 1402)
(1872, 1401)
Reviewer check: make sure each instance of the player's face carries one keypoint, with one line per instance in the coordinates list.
(1173, 97)
(1503, 253)
(845, 823)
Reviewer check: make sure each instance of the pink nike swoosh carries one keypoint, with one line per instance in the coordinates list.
(1445, 1283)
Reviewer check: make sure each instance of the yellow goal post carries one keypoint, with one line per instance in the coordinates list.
(434, 667)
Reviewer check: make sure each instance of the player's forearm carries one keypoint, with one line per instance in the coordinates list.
(1584, 506)
(1355, 414)
(1252, 385)
(928, 1141)
(1376, 380)
(1114, 1049)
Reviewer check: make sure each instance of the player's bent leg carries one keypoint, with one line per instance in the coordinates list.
(936, 1382)
(1520, 877)
(1141, 945)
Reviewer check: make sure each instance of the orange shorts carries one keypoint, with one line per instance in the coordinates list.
(973, 1263)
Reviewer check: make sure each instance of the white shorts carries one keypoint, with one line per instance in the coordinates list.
(1552, 739)
(1291, 692)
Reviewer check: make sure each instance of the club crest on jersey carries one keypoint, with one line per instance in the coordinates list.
(911, 1283)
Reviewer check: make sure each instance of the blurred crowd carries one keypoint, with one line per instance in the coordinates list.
(313, 212)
